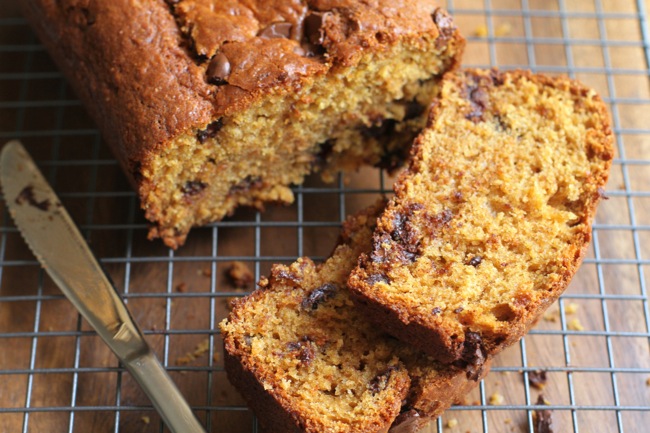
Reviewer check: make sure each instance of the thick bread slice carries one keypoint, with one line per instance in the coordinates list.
(306, 360)
(492, 217)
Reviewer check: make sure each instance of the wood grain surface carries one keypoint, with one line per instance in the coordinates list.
(50, 361)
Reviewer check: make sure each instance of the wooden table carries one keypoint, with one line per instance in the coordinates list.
(50, 362)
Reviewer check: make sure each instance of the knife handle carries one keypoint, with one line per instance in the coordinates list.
(164, 395)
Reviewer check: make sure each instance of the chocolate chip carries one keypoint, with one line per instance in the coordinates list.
(302, 350)
(444, 22)
(318, 296)
(313, 27)
(381, 129)
(377, 278)
(210, 131)
(193, 187)
(276, 30)
(472, 357)
(285, 276)
(475, 261)
(479, 101)
(380, 382)
(409, 421)
(326, 149)
(246, 184)
(413, 109)
(543, 419)
(218, 69)
(27, 196)
(537, 379)
(458, 310)
(436, 311)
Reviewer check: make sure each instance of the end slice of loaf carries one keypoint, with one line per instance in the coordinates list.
(306, 359)
(492, 217)
(214, 104)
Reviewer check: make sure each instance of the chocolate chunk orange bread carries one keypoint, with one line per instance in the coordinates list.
(492, 217)
(211, 104)
(307, 360)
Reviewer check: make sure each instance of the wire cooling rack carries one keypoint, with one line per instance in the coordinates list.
(55, 374)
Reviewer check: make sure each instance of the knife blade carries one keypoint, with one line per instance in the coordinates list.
(58, 245)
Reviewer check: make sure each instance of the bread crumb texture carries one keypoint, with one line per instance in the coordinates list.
(492, 218)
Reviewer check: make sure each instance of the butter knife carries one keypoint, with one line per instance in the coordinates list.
(58, 245)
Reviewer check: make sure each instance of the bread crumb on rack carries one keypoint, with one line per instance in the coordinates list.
(575, 325)
(452, 423)
(496, 399)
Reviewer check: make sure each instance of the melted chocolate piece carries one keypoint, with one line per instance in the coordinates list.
(382, 129)
(436, 311)
(377, 278)
(406, 422)
(475, 261)
(246, 184)
(444, 22)
(193, 187)
(380, 382)
(218, 69)
(27, 196)
(276, 30)
(210, 131)
(479, 100)
(302, 350)
(318, 296)
(313, 27)
(537, 379)
(473, 356)
(543, 419)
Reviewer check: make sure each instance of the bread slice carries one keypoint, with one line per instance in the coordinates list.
(492, 217)
(214, 104)
(307, 360)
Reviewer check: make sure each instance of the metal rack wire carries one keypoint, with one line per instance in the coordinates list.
(57, 376)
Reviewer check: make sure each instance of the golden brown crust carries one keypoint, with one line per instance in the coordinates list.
(492, 218)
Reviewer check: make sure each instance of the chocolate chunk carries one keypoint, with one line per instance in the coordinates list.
(382, 129)
(210, 131)
(377, 278)
(276, 30)
(318, 296)
(479, 101)
(475, 261)
(405, 234)
(380, 382)
(413, 109)
(313, 27)
(537, 379)
(286, 276)
(407, 422)
(458, 310)
(218, 69)
(27, 196)
(472, 357)
(246, 184)
(542, 419)
(326, 149)
(193, 187)
(436, 311)
(302, 350)
(444, 22)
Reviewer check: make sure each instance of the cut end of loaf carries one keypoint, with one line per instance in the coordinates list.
(340, 119)
(493, 216)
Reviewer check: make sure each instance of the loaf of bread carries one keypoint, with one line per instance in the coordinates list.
(492, 217)
(212, 104)
(306, 360)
